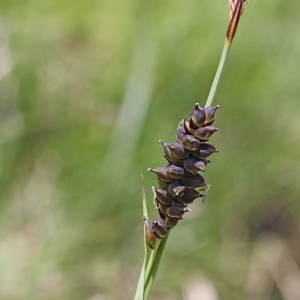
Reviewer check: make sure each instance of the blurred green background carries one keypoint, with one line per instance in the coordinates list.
(87, 88)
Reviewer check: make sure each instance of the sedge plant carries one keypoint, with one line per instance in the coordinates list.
(179, 183)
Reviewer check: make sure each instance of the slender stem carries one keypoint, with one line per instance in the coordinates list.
(153, 265)
(239, 6)
(218, 76)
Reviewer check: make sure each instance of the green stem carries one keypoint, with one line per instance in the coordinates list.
(153, 265)
(218, 76)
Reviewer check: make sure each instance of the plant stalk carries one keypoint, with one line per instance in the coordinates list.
(219, 73)
(153, 265)
(153, 256)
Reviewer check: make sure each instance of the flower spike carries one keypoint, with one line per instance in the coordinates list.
(179, 181)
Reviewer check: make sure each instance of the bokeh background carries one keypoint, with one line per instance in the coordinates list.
(87, 88)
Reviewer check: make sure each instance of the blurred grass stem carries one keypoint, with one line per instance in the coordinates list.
(134, 106)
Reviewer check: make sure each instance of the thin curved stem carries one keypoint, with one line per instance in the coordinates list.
(219, 73)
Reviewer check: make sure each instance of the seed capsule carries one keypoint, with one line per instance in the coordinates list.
(210, 113)
(175, 171)
(187, 126)
(190, 142)
(194, 165)
(204, 133)
(159, 228)
(197, 117)
(169, 154)
(149, 234)
(177, 150)
(177, 210)
(193, 180)
(180, 133)
(162, 196)
(204, 151)
(162, 174)
(189, 196)
(176, 189)
(162, 210)
(172, 222)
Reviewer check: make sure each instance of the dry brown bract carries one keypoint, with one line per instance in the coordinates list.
(232, 4)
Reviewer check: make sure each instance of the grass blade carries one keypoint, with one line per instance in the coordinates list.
(139, 295)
